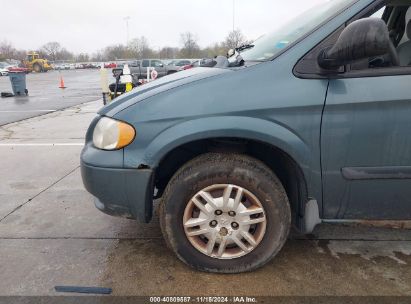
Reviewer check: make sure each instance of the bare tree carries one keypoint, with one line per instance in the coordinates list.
(97, 56)
(168, 52)
(7, 51)
(52, 49)
(234, 39)
(20, 54)
(214, 50)
(115, 52)
(190, 47)
(140, 48)
(82, 57)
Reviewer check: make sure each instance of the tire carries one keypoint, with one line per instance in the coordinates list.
(37, 68)
(210, 171)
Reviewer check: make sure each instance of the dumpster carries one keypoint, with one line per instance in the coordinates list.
(18, 83)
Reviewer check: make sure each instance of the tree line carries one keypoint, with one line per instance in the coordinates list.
(137, 48)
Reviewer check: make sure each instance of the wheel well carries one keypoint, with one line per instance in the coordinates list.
(286, 169)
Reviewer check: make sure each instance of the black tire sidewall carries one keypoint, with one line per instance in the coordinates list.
(251, 175)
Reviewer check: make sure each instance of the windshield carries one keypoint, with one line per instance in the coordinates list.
(268, 45)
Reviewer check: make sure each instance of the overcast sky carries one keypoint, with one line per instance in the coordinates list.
(90, 25)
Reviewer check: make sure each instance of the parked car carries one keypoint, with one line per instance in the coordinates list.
(4, 69)
(310, 123)
(19, 69)
(57, 66)
(88, 66)
(138, 68)
(195, 64)
(188, 66)
(8, 66)
(4, 72)
(111, 65)
(181, 63)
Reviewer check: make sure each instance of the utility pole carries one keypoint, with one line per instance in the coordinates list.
(126, 19)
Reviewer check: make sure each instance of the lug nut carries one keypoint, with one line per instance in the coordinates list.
(231, 213)
(218, 212)
(213, 223)
(234, 225)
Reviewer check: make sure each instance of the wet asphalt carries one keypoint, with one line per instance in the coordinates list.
(51, 233)
(45, 96)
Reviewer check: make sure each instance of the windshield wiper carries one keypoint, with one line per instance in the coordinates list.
(244, 47)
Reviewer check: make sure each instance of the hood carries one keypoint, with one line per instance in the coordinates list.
(159, 86)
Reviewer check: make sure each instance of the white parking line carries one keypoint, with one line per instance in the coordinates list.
(40, 144)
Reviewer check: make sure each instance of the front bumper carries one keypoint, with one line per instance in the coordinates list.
(120, 192)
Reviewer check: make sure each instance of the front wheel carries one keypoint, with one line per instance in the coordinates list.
(225, 213)
(37, 68)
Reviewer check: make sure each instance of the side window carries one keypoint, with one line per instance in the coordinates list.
(379, 13)
(156, 63)
(146, 63)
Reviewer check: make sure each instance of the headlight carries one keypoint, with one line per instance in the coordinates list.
(111, 134)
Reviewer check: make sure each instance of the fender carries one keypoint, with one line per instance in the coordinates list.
(227, 126)
(271, 133)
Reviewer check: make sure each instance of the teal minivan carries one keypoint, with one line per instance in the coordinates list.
(310, 123)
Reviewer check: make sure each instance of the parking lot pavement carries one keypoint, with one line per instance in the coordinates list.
(51, 234)
(45, 96)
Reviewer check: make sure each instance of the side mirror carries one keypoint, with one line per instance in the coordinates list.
(361, 39)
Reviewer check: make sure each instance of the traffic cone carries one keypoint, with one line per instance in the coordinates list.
(62, 86)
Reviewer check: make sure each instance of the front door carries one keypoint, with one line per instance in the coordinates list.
(366, 135)
(366, 148)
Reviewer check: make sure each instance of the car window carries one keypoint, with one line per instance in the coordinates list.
(379, 13)
(183, 63)
(156, 63)
(134, 64)
(146, 63)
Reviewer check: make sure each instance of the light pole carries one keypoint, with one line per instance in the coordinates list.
(126, 19)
